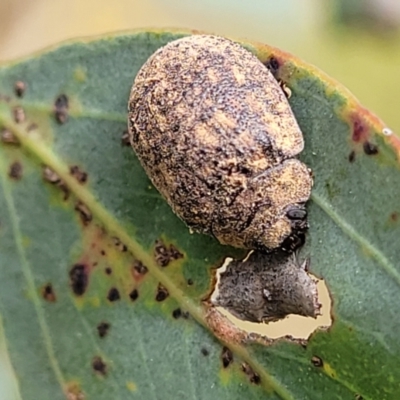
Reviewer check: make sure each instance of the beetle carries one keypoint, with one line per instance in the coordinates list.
(217, 137)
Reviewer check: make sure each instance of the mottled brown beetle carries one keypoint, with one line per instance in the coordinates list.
(216, 135)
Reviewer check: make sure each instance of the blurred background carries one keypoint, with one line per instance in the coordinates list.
(356, 42)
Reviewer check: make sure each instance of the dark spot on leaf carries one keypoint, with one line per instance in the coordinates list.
(162, 293)
(108, 271)
(134, 294)
(102, 252)
(19, 88)
(84, 213)
(15, 171)
(125, 139)
(79, 279)
(50, 176)
(317, 361)
(190, 282)
(61, 106)
(359, 130)
(19, 115)
(99, 366)
(113, 294)
(272, 64)
(394, 216)
(164, 255)
(102, 328)
(8, 137)
(352, 156)
(204, 351)
(119, 245)
(78, 174)
(226, 357)
(358, 397)
(177, 313)
(370, 149)
(48, 293)
(139, 268)
(253, 376)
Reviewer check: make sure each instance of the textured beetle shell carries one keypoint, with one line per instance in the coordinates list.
(216, 135)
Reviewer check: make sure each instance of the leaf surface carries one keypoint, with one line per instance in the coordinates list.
(82, 320)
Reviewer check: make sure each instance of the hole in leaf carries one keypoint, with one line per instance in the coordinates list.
(254, 304)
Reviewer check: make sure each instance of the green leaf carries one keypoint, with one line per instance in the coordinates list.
(81, 321)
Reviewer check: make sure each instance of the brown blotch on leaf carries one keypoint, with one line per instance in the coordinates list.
(99, 366)
(162, 293)
(74, 392)
(79, 279)
(190, 282)
(19, 115)
(226, 357)
(273, 65)
(61, 106)
(134, 294)
(253, 376)
(370, 149)
(359, 130)
(103, 328)
(317, 361)
(8, 137)
(78, 174)
(48, 293)
(113, 295)
(15, 171)
(205, 352)
(52, 177)
(394, 216)
(119, 245)
(84, 213)
(352, 156)
(19, 88)
(108, 270)
(125, 139)
(139, 268)
(164, 255)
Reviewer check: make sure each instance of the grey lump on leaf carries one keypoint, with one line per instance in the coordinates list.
(267, 287)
